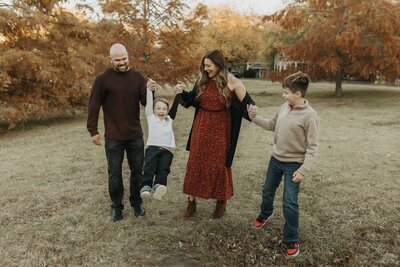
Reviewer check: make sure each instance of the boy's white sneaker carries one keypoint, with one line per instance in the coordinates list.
(159, 191)
(145, 191)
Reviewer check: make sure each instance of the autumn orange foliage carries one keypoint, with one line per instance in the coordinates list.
(45, 59)
(161, 36)
(360, 37)
(50, 56)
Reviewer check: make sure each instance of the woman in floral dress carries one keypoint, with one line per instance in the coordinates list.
(220, 101)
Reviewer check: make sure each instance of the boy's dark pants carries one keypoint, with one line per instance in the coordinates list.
(277, 169)
(115, 155)
(157, 161)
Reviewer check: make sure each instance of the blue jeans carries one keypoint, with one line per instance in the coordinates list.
(115, 150)
(276, 170)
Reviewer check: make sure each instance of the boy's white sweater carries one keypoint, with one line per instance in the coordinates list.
(160, 131)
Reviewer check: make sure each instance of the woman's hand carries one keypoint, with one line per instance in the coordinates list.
(178, 89)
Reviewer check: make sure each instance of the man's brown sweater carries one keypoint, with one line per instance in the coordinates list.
(120, 95)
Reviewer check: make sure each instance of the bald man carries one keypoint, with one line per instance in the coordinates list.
(119, 91)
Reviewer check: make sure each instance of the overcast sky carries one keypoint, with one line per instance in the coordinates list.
(260, 7)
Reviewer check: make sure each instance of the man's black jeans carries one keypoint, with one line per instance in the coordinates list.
(157, 162)
(115, 150)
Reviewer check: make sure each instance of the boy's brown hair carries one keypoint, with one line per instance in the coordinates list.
(297, 82)
(161, 99)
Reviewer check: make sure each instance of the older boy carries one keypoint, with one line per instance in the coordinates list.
(296, 136)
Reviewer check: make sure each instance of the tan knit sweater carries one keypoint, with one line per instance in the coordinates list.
(296, 135)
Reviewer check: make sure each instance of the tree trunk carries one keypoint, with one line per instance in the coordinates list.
(339, 81)
(146, 11)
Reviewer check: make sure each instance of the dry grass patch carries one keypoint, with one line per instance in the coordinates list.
(55, 204)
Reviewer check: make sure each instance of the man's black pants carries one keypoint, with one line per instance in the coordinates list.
(115, 150)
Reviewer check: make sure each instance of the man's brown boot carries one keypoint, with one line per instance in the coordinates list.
(219, 209)
(191, 208)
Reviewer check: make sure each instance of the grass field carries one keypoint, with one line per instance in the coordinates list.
(55, 204)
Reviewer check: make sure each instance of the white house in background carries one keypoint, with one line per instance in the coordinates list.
(258, 67)
(281, 64)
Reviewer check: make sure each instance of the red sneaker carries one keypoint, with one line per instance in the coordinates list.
(260, 221)
(292, 249)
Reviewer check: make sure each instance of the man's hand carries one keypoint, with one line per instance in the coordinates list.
(96, 139)
(151, 85)
(178, 89)
(252, 110)
(297, 177)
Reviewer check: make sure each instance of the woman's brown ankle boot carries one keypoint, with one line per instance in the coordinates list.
(191, 208)
(219, 209)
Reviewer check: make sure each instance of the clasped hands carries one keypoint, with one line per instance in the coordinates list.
(178, 89)
(252, 111)
(152, 86)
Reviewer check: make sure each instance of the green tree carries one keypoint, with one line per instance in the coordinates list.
(271, 38)
(238, 36)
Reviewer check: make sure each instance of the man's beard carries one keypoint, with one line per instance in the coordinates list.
(122, 68)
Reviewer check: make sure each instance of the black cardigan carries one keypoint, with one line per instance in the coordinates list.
(238, 110)
(174, 107)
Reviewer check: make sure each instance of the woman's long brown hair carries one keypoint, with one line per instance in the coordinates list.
(221, 80)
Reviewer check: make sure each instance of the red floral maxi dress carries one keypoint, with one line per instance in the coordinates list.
(207, 175)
